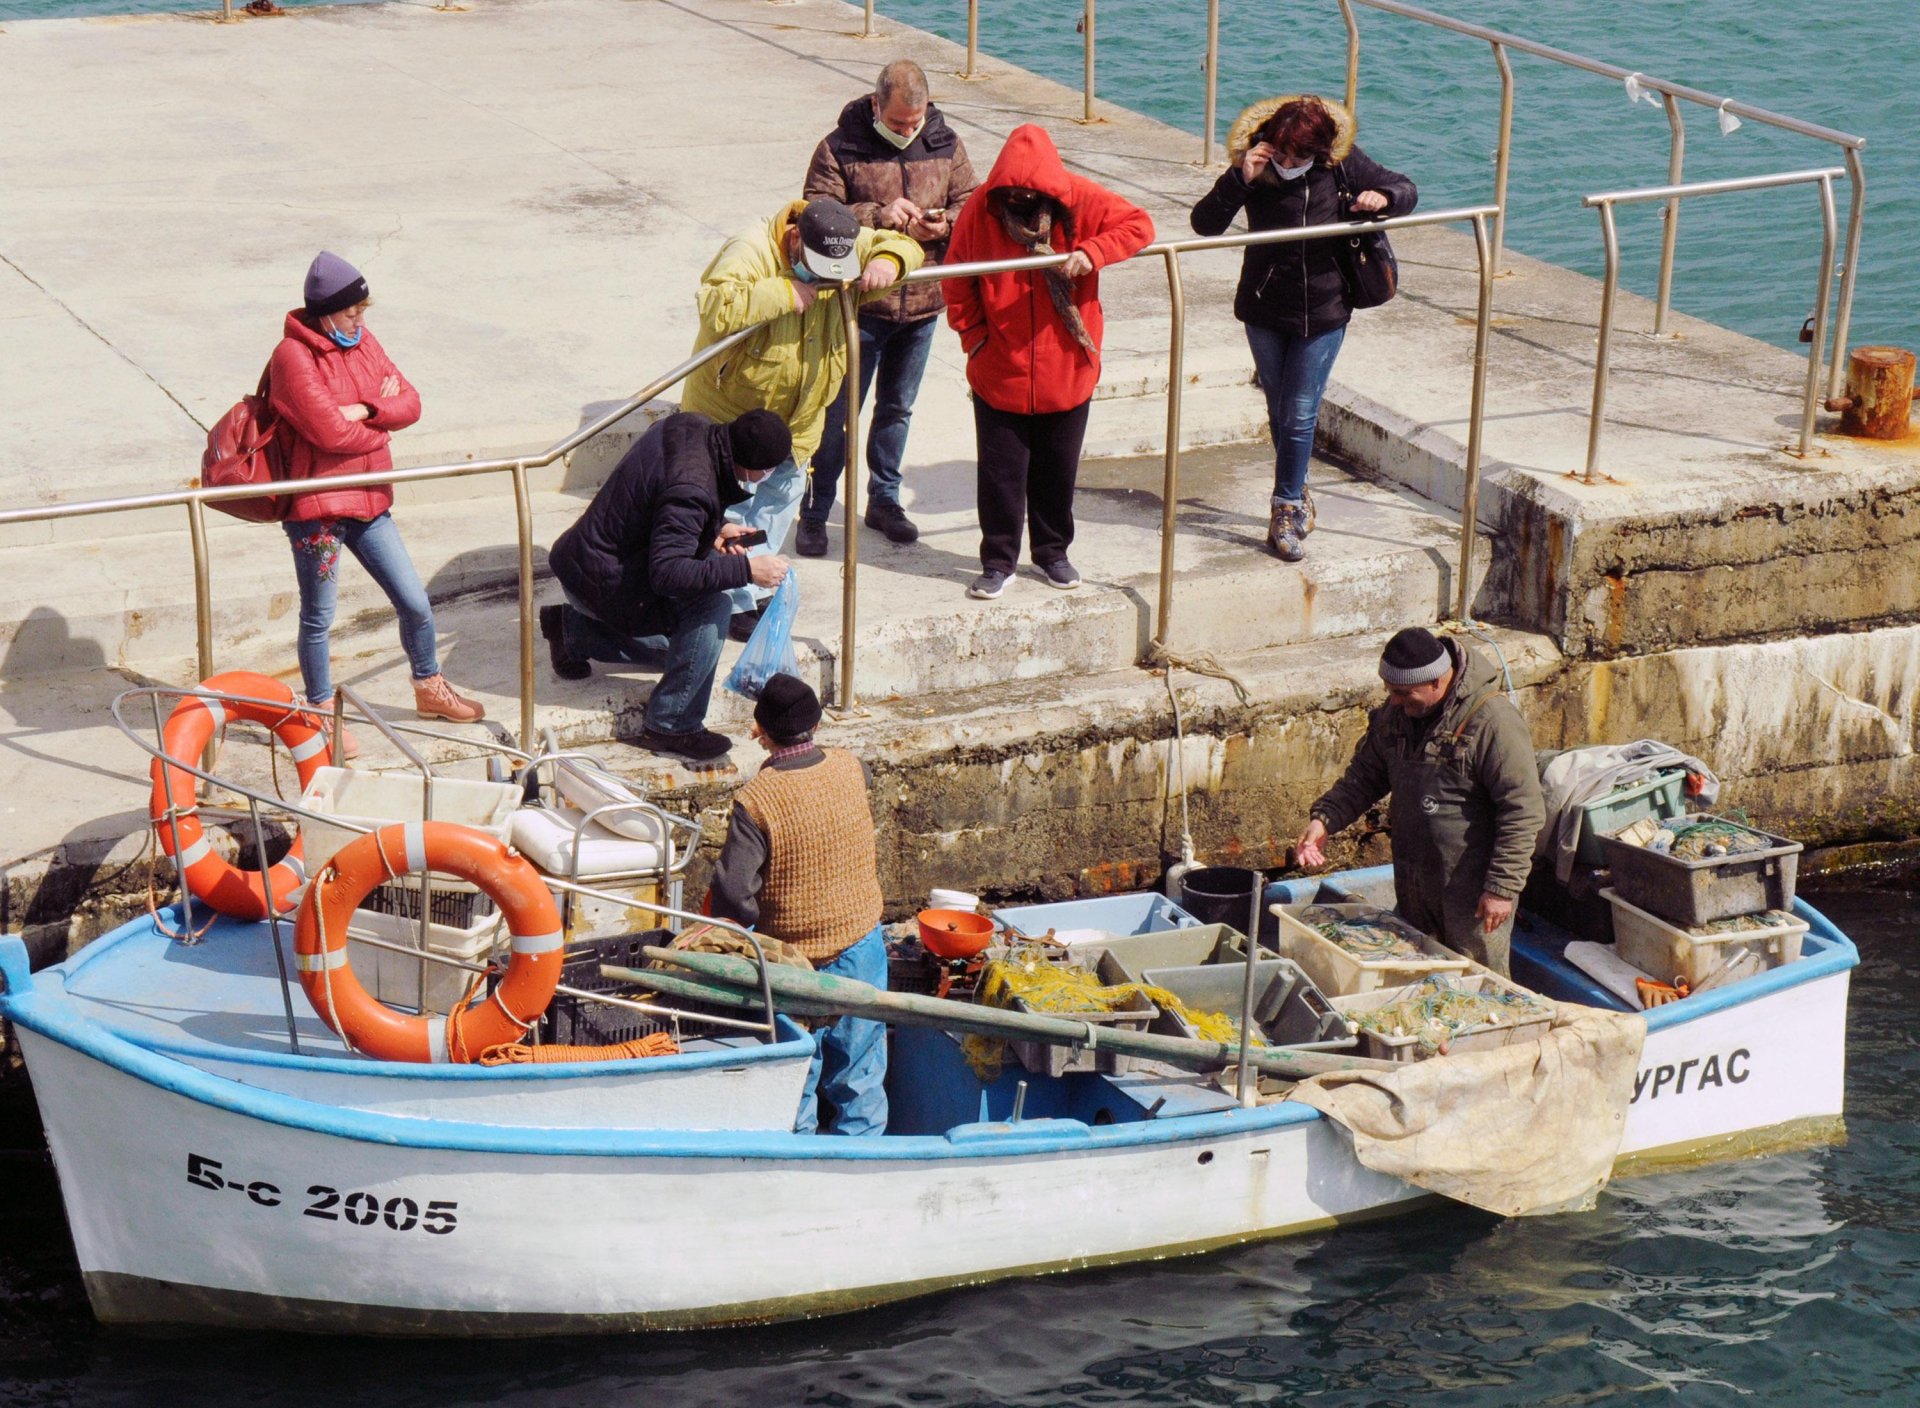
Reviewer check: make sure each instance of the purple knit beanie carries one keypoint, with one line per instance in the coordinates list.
(333, 284)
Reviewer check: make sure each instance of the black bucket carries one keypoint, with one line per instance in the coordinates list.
(1220, 894)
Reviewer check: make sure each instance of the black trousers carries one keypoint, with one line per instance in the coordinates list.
(1027, 468)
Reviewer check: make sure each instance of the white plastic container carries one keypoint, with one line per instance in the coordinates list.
(1666, 951)
(953, 899)
(375, 799)
(1408, 1048)
(1338, 973)
(395, 978)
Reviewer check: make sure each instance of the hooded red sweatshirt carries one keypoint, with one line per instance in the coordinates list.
(1021, 356)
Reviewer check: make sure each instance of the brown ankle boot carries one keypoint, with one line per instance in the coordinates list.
(433, 698)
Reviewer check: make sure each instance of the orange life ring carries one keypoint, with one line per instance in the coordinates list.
(211, 878)
(320, 943)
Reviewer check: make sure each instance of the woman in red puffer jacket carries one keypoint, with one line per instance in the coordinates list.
(340, 398)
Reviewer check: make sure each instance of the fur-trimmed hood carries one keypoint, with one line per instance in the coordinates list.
(1250, 121)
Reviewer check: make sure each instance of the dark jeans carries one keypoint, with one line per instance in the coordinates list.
(1027, 468)
(689, 632)
(1293, 373)
(898, 353)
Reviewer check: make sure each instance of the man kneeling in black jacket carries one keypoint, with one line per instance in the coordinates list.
(649, 565)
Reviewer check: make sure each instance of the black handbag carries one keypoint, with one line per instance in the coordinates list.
(1366, 258)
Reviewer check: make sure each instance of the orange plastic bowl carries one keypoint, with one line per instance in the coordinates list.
(953, 933)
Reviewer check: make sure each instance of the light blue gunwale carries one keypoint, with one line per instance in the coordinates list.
(52, 1017)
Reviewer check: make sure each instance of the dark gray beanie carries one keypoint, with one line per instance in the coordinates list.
(333, 284)
(760, 440)
(1414, 656)
(788, 708)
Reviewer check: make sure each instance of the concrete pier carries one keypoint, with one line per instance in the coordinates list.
(532, 192)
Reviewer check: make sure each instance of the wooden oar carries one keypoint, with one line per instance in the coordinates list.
(822, 994)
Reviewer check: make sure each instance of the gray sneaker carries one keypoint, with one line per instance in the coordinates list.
(1286, 525)
(987, 586)
(1060, 573)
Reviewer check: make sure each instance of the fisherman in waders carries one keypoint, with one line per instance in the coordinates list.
(800, 863)
(1458, 759)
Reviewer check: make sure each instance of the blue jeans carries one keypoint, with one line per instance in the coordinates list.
(375, 542)
(850, 1060)
(773, 505)
(898, 353)
(690, 633)
(1293, 372)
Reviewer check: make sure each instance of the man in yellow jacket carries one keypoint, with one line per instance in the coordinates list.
(773, 277)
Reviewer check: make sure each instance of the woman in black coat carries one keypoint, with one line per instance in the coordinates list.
(1289, 158)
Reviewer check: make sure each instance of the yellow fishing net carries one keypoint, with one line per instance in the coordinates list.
(1028, 980)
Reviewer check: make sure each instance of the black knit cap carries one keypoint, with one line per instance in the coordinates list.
(760, 441)
(1414, 656)
(788, 710)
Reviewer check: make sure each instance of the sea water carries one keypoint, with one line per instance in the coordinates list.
(1790, 1279)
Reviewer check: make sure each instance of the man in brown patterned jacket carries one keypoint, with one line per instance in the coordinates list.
(897, 164)
(799, 863)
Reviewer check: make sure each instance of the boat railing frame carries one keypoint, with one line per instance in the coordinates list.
(1503, 44)
(676, 859)
(1605, 202)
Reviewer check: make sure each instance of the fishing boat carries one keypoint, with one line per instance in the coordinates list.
(228, 1159)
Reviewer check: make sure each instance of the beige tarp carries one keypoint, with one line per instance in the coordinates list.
(1523, 1129)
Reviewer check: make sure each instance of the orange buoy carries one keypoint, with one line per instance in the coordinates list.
(210, 877)
(320, 943)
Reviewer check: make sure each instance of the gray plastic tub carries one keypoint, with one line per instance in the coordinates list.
(1128, 957)
(1287, 1008)
(1690, 893)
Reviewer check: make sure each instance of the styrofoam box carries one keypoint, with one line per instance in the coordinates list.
(1666, 951)
(395, 977)
(1338, 973)
(375, 799)
(1407, 1048)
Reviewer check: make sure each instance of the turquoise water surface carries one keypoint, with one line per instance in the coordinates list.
(1429, 106)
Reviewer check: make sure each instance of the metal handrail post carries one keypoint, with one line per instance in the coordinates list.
(1829, 231)
(850, 498)
(1213, 80)
(1476, 417)
(1087, 24)
(523, 527)
(273, 919)
(1844, 317)
(1170, 481)
(866, 24)
(1246, 1086)
(973, 37)
(202, 606)
(1503, 157)
(172, 820)
(1353, 57)
(1676, 165)
(1610, 235)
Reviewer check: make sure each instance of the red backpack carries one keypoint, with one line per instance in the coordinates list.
(243, 448)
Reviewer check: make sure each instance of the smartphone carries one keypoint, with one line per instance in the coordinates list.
(930, 216)
(750, 539)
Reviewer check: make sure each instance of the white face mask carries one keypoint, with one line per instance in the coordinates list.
(1292, 173)
(900, 141)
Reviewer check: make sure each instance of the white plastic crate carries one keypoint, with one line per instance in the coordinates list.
(1338, 973)
(1531, 1027)
(1665, 951)
(375, 799)
(395, 978)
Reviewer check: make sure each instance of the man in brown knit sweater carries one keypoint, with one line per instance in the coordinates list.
(799, 863)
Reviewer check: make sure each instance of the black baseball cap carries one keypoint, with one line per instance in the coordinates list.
(829, 235)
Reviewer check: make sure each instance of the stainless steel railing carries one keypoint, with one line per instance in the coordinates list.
(1670, 95)
(1605, 204)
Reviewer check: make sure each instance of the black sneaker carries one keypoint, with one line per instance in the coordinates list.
(987, 586)
(1060, 573)
(810, 538)
(703, 745)
(891, 519)
(564, 665)
(743, 622)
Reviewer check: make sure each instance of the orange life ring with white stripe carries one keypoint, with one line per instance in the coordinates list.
(211, 878)
(320, 943)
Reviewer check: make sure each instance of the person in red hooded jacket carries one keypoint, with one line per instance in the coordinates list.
(1032, 340)
(340, 398)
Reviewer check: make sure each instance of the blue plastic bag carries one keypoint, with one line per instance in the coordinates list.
(769, 649)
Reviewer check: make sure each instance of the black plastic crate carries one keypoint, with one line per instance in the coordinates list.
(579, 1021)
(457, 909)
